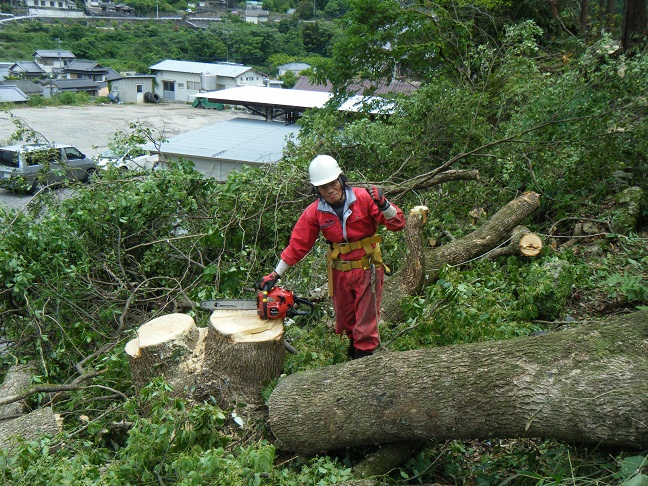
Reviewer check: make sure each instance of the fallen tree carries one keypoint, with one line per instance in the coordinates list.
(584, 384)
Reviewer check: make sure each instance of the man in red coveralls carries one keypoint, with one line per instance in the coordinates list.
(348, 218)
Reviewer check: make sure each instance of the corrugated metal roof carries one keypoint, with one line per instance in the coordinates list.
(27, 87)
(240, 139)
(11, 94)
(267, 96)
(227, 70)
(395, 86)
(54, 53)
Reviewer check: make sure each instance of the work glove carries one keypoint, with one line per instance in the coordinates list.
(268, 282)
(379, 198)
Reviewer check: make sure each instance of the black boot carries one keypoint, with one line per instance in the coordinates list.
(352, 350)
(361, 354)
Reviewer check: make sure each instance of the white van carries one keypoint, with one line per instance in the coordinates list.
(30, 166)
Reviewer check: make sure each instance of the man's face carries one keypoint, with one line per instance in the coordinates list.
(332, 192)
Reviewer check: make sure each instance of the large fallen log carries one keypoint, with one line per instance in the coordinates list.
(585, 384)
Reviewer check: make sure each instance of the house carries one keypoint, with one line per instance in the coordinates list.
(29, 88)
(82, 69)
(52, 87)
(53, 60)
(26, 70)
(183, 80)
(11, 94)
(218, 149)
(295, 67)
(254, 12)
(131, 89)
(50, 4)
(4, 69)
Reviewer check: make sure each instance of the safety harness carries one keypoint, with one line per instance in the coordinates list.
(369, 261)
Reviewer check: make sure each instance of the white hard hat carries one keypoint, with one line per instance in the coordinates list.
(323, 169)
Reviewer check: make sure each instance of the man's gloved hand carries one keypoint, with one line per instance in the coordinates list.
(379, 198)
(268, 282)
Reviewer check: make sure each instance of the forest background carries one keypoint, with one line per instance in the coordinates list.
(537, 96)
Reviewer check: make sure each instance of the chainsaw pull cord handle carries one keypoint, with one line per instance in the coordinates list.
(265, 305)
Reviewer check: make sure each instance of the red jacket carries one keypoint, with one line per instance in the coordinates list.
(361, 219)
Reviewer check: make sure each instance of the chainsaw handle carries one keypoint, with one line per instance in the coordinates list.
(301, 312)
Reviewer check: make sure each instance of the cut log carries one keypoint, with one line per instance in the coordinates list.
(42, 421)
(17, 380)
(585, 384)
(242, 355)
(523, 243)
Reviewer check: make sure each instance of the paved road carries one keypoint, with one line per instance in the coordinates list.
(91, 128)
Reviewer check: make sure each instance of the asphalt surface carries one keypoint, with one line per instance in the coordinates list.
(91, 128)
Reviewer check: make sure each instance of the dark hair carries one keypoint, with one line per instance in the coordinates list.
(344, 180)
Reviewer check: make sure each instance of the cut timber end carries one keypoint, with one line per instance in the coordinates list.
(530, 244)
(165, 328)
(246, 326)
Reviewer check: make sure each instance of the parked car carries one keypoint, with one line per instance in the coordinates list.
(28, 167)
(134, 158)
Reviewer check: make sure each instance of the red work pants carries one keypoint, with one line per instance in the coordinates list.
(356, 300)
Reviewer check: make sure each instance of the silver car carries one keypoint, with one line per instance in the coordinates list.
(28, 167)
(134, 158)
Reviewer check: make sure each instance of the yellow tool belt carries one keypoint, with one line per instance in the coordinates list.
(371, 257)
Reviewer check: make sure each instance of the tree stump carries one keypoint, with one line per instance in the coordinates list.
(230, 361)
(242, 355)
(160, 348)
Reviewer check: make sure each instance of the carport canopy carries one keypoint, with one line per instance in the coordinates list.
(270, 103)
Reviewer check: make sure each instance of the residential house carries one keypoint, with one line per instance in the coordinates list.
(52, 87)
(11, 94)
(29, 88)
(295, 67)
(53, 60)
(254, 12)
(131, 89)
(50, 4)
(82, 69)
(26, 70)
(183, 80)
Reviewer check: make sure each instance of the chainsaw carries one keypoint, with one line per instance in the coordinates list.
(276, 303)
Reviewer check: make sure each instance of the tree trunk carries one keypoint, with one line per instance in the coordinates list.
(409, 280)
(523, 243)
(634, 23)
(585, 384)
(231, 361)
(17, 379)
(30, 426)
(485, 238)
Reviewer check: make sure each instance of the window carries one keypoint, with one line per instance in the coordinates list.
(168, 85)
(73, 153)
(8, 158)
(180, 85)
(193, 85)
(139, 88)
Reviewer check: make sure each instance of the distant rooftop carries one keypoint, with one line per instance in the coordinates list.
(220, 69)
(395, 86)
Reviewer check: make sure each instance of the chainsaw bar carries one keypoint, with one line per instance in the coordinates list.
(229, 304)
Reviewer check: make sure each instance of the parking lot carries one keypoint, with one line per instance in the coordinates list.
(90, 128)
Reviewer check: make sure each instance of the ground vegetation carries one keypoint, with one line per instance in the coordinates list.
(516, 93)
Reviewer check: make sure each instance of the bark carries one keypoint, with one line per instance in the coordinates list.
(229, 362)
(585, 384)
(18, 379)
(42, 421)
(485, 238)
(409, 280)
(634, 23)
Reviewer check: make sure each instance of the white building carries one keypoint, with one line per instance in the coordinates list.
(183, 80)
